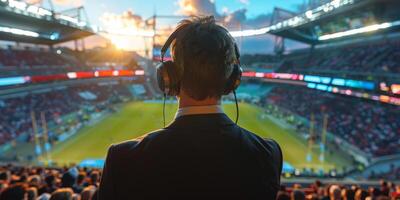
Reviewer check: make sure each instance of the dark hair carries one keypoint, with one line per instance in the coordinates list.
(14, 192)
(298, 195)
(282, 196)
(204, 53)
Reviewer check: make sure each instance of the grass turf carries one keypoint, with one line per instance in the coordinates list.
(138, 118)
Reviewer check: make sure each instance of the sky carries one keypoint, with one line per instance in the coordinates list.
(147, 8)
(113, 14)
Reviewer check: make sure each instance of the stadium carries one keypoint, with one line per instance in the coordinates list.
(333, 104)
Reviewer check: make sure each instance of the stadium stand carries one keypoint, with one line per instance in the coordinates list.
(372, 127)
(371, 57)
(41, 61)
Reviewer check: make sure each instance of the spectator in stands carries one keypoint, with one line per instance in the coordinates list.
(361, 194)
(32, 193)
(15, 192)
(62, 194)
(298, 195)
(347, 194)
(283, 195)
(50, 185)
(202, 153)
(88, 193)
(334, 192)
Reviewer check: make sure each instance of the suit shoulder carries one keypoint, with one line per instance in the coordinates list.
(265, 142)
(135, 143)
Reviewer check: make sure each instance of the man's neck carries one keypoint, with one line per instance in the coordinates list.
(186, 101)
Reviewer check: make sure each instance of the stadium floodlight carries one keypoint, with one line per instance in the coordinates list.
(17, 4)
(38, 11)
(72, 75)
(252, 32)
(365, 29)
(68, 18)
(19, 32)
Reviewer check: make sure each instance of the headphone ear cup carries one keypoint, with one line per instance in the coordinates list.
(234, 80)
(168, 78)
(160, 73)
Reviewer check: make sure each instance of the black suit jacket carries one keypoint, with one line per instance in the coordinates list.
(197, 156)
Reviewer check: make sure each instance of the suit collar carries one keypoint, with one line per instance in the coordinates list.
(201, 120)
(195, 110)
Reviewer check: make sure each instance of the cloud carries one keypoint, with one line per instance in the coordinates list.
(68, 2)
(197, 7)
(127, 19)
(33, 1)
(233, 20)
(245, 2)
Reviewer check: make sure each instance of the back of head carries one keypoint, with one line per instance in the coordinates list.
(50, 180)
(298, 195)
(361, 194)
(4, 176)
(204, 53)
(282, 196)
(14, 192)
(88, 193)
(94, 176)
(62, 194)
(32, 193)
(334, 192)
(348, 194)
(68, 180)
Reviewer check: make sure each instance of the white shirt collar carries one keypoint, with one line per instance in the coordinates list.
(195, 110)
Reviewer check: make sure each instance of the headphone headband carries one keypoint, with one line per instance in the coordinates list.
(170, 39)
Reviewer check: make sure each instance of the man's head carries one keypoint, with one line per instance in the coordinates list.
(204, 54)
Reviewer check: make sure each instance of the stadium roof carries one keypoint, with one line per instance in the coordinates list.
(345, 19)
(28, 23)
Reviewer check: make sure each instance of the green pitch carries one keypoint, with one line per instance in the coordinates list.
(138, 118)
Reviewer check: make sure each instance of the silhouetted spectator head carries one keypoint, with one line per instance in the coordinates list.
(361, 194)
(5, 176)
(50, 180)
(94, 177)
(334, 192)
(348, 194)
(68, 180)
(15, 192)
(88, 193)
(81, 178)
(32, 193)
(298, 195)
(62, 194)
(282, 196)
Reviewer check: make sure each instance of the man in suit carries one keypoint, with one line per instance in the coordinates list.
(202, 153)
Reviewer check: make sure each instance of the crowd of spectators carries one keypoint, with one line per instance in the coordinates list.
(36, 183)
(16, 112)
(378, 57)
(334, 191)
(371, 126)
(31, 60)
(79, 183)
